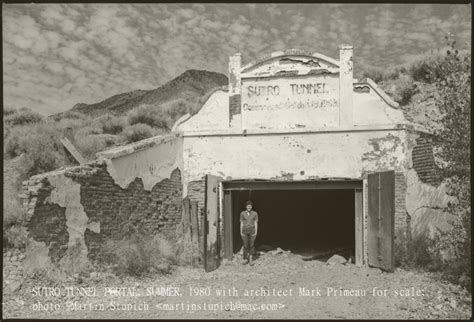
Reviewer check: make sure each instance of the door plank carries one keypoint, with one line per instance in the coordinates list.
(359, 228)
(211, 252)
(187, 242)
(228, 232)
(381, 219)
(195, 232)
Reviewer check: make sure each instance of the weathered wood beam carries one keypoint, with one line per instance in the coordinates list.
(71, 149)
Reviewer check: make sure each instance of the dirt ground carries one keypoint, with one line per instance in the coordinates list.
(278, 278)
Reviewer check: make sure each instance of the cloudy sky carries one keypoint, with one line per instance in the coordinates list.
(57, 55)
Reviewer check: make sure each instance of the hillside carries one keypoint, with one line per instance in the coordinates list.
(192, 84)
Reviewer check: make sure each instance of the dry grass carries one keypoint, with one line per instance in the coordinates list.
(137, 132)
(137, 255)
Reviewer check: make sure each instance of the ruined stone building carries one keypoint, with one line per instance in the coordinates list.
(328, 161)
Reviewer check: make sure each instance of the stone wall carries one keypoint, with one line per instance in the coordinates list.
(82, 207)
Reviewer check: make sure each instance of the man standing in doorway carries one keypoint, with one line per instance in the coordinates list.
(248, 231)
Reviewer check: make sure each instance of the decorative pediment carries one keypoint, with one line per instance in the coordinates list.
(290, 62)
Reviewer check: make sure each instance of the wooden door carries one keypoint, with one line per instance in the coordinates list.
(228, 227)
(381, 220)
(211, 222)
(359, 227)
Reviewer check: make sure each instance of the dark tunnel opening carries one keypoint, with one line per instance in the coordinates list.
(306, 222)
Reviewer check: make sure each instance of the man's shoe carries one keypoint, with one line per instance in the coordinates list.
(245, 262)
(251, 263)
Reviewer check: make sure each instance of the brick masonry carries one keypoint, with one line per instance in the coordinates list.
(400, 208)
(234, 106)
(150, 212)
(401, 221)
(424, 161)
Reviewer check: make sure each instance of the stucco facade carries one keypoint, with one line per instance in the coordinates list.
(288, 116)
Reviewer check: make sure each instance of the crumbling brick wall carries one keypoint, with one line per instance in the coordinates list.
(48, 222)
(426, 196)
(106, 205)
(424, 161)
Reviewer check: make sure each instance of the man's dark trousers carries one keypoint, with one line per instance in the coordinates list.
(249, 241)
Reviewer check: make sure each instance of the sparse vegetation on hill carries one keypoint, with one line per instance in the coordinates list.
(90, 144)
(138, 131)
(40, 145)
(32, 142)
(453, 96)
(149, 115)
(412, 85)
(188, 86)
(111, 124)
(20, 117)
(434, 90)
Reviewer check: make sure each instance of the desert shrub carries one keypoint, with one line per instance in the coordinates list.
(63, 125)
(392, 73)
(22, 117)
(40, 144)
(426, 68)
(136, 254)
(43, 160)
(8, 111)
(151, 115)
(11, 147)
(49, 276)
(111, 124)
(417, 252)
(87, 130)
(73, 115)
(131, 258)
(402, 89)
(89, 145)
(137, 132)
(178, 109)
(173, 110)
(76, 115)
(453, 141)
(396, 72)
(376, 74)
(73, 262)
(161, 249)
(16, 236)
(12, 211)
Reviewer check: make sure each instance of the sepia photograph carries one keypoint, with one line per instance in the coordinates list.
(236, 161)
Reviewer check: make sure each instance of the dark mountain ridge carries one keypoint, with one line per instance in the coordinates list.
(190, 84)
